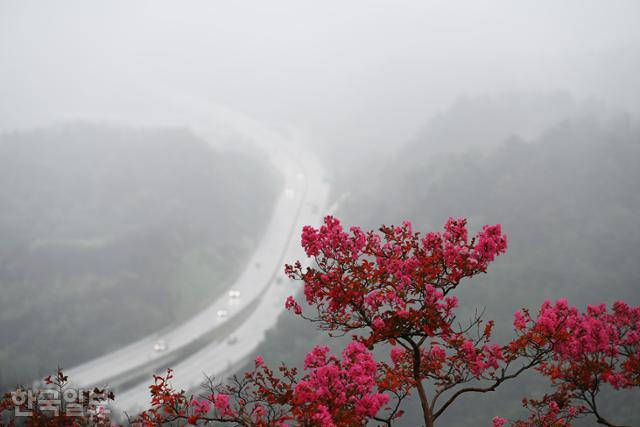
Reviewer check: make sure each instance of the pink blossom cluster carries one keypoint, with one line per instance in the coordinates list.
(480, 360)
(588, 348)
(394, 282)
(333, 392)
(200, 407)
(331, 240)
(222, 404)
(291, 304)
(460, 257)
(553, 410)
(499, 422)
(334, 389)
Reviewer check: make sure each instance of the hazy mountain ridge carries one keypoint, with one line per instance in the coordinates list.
(568, 200)
(111, 232)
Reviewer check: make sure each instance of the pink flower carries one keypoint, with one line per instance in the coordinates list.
(378, 323)
(292, 304)
(337, 388)
(221, 403)
(519, 322)
(499, 422)
(403, 313)
(200, 407)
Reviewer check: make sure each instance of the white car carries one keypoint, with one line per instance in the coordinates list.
(222, 314)
(234, 294)
(160, 345)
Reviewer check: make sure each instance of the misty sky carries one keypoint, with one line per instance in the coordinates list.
(138, 230)
(361, 72)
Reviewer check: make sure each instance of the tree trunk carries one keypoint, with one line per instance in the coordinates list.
(426, 410)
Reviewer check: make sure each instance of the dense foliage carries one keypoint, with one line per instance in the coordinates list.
(109, 233)
(397, 289)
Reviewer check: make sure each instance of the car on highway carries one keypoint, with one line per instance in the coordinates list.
(222, 314)
(160, 345)
(234, 294)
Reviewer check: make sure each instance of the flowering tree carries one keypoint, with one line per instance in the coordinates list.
(333, 392)
(589, 350)
(395, 290)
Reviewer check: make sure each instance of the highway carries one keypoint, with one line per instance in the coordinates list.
(225, 353)
(229, 330)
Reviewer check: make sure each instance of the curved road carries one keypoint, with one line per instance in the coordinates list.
(203, 344)
(226, 353)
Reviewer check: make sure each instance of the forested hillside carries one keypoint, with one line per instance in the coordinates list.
(108, 233)
(568, 199)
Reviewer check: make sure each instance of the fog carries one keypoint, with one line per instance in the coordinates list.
(150, 151)
(359, 73)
